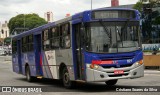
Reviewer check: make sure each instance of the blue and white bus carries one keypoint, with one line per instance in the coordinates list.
(101, 45)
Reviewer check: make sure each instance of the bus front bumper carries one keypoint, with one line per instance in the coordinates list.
(103, 75)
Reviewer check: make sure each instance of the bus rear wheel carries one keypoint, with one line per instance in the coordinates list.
(111, 82)
(28, 75)
(66, 79)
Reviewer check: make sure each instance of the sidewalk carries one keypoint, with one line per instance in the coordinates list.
(152, 72)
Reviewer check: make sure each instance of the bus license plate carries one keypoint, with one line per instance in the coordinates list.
(118, 72)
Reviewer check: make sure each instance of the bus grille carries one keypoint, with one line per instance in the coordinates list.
(119, 75)
(111, 74)
(121, 66)
(117, 58)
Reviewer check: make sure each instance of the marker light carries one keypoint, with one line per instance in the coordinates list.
(94, 66)
(140, 62)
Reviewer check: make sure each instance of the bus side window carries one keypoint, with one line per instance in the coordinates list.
(30, 43)
(65, 37)
(55, 38)
(14, 46)
(24, 44)
(61, 36)
(27, 43)
(46, 41)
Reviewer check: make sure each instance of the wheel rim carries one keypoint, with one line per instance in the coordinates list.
(66, 78)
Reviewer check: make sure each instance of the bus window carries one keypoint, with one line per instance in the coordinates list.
(24, 44)
(46, 41)
(65, 38)
(54, 32)
(14, 46)
(27, 43)
(55, 38)
(30, 43)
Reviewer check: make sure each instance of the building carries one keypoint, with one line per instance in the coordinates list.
(114, 3)
(68, 15)
(4, 30)
(48, 16)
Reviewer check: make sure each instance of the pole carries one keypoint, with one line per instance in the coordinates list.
(91, 4)
(24, 21)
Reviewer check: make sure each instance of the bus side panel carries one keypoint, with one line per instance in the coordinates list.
(45, 66)
(52, 60)
(50, 68)
(15, 63)
(29, 58)
(65, 56)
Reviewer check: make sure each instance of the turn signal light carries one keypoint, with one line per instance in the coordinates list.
(140, 62)
(93, 66)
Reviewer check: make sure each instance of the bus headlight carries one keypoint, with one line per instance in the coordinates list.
(139, 63)
(94, 66)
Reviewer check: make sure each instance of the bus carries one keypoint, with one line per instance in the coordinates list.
(101, 45)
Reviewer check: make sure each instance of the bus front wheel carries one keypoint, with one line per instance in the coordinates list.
(28, 75)
(66, 79)
(111, 82)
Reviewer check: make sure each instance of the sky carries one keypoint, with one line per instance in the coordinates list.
(59, 8)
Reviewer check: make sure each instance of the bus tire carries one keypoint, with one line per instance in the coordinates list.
(111, 82)
(28, 75)
(66, 79)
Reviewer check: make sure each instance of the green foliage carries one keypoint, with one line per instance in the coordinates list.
(30, 21)
(157, 21)
(138, 6)
(151, 1)
(7, 40)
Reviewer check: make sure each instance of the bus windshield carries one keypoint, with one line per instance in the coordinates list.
(112, 37)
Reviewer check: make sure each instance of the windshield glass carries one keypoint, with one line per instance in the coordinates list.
(112, 37)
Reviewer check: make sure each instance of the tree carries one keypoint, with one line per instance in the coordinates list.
(29, 21)
(151, 1)
(157, 20)
(138, 6)
(7, 41)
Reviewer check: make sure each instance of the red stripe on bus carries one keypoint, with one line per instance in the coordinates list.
(40, 60)
(102, 62)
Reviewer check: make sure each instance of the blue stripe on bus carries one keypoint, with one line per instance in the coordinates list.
(135, 56)
(74, 53)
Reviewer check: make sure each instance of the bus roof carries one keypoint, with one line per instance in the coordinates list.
(77, 15)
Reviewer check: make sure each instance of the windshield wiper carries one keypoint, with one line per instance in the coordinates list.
(124, 27)
(105, 28)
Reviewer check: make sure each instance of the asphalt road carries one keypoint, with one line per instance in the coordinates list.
(9, 78)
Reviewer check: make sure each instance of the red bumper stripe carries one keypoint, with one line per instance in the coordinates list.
(102, 62)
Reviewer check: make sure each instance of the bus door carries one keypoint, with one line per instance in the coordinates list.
(79, 56)
(19, 56)
(38, 56)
